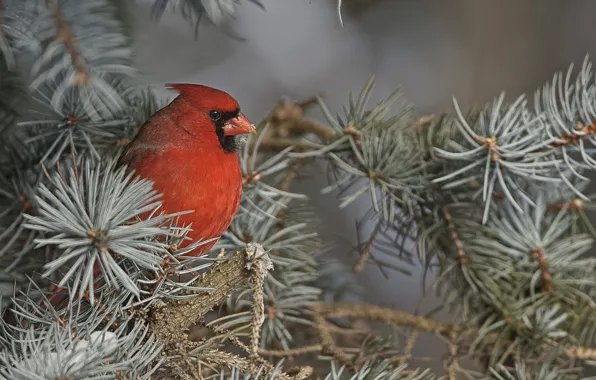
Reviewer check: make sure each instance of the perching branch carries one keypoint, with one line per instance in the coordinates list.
(260, 266)
(170, 322)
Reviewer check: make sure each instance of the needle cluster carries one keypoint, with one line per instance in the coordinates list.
(495, 199)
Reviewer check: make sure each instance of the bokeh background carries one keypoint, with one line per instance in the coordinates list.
(435, 50)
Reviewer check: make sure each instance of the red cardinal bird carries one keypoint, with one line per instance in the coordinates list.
(189, 150)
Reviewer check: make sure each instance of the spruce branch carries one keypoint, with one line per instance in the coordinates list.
(497, 199)
(382, 314)
(224, 359)
(82, 339)
(292, 352)
(194, 10)
(169, 322)
(260, 265)
(87, 216)
(74, 62)
(366, 251)
(65, 36)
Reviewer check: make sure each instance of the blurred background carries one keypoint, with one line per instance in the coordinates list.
(435, 50)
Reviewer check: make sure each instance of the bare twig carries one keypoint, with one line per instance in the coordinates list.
(409, 347)
(572, 138)
(288, 119)
(451, 365)
(65, 35)
(293, 352)
(369, 312)
(366, 251)
(328, 343)
(574, 204)
(582, 352)
(291, 175)
(543, 265)
(260, 267)
(169, 323)
(383, 314)
(463, 259)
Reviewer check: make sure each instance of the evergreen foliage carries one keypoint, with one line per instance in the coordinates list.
(496, 200)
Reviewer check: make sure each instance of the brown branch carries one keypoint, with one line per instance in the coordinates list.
(370, 312)
(260, 267)
(365, 253)
(64, 34)
(574, 204)
(170, 321)
(383, 314)
(399, 318)
(581, 352)
(451, 364)
(538, 254)
(292, 352)
(490, 143)
(463, 259)
(409, 347)
(288, 125)
(572, 138)
(288, 120)
(327, 342)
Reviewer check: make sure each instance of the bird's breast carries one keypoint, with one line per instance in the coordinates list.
(209, 186)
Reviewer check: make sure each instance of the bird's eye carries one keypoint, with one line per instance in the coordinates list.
(215, 115)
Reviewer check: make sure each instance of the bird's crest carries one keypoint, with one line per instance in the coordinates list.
(204, 96)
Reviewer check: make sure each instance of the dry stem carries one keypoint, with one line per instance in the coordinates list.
(572, 138)
(365, 253)
(369, 312)
(581, 352)
(260, 267)
(170, 322)
(463, 259)
(65, 35)
(409, 347)
(547, 283)
(292, 352)
(383, 314)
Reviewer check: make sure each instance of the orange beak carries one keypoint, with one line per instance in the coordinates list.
(239, 125)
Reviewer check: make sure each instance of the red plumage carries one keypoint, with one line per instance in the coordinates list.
(192, 160)
(190, 155)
